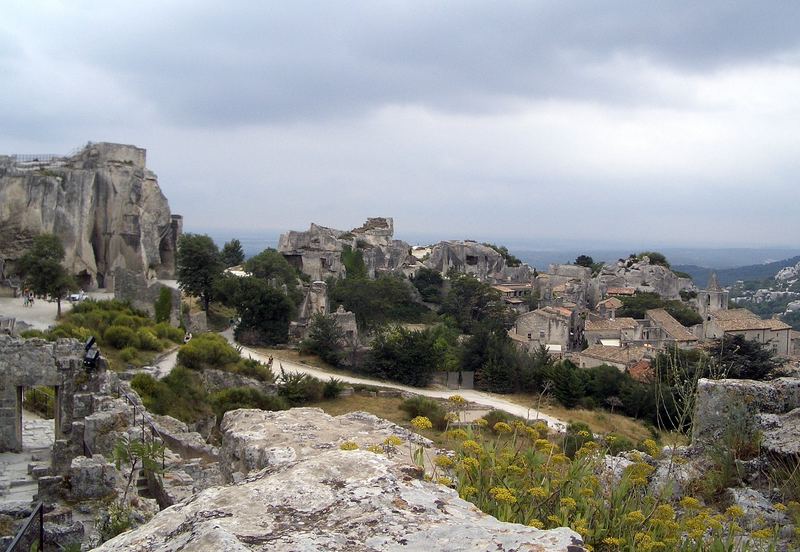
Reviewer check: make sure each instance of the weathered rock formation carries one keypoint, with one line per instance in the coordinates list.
(310, 495)
(318, 251)
(474, 258)
(103, 203)
(642, 276)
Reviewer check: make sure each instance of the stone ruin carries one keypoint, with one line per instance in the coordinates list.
(640, 275)
(103, 203)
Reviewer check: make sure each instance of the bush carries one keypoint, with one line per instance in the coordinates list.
(120, 337)
(128, 354)
(30, 334)
(165, 331)
(148, 341)
(253, 369)
(299, 388)
(332, 388)
(424, 406)
(163, 305)
(180, 394)
(244, 397)
(207, 351)
(577, 435)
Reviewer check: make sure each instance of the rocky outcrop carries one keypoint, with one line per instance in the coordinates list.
(311, 495)
(789, 273)
(482, 261)
(760, 405)
(103, 203)
(642, 276)
(318, 251)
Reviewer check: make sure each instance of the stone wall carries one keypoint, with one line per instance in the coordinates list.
(36, 362)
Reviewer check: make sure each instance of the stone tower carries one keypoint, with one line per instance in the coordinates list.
(712, 299)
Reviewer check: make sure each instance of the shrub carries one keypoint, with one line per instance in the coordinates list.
(207, 351)
(165, 331)
(148, 341)
(617, 443)
(253, 369)
(577, 435)
(163, 305)
(29, 334)
(180, 394)
(299, 388)
(244, 397)
(332, 388)
(427, 407)
(120, 337)
(128, 354)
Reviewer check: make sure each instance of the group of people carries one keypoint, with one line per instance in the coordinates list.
(27, 298)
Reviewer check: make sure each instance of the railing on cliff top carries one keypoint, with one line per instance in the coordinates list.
(146, 421)
(32, 532)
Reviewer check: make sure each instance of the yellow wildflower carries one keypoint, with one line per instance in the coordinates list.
(458, 434)
(502, 427)
(635, 517)
(762, 534)
(536, 523)
(690, 503)
(377, 449)
(482, 422)
(456, 399)
(538, 492)
(468, 491)
(393, 441)
(446, 481)
(470, 463)
(584, 433)
(502, 494)
(443, 461)
(472, 447)
(613, 541)
(348, 445)
(652, 448)
(779, 506)
(568, 503)
(451, 417)
(734, 512)
(421, 422)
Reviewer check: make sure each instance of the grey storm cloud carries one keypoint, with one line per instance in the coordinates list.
(222, 63)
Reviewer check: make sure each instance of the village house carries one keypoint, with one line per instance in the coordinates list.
(610, 332)
(620, 292)
(557, 328)
(607, 308)
(516, 296)
(660, 329)
(749, 325)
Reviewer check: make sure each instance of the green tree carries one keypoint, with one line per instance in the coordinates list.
(199, 266)
(388, 298)
(655, 257)
(429, 284)
(402, 355)
(353, 261)
(264, 313)
(232, 253)
(510, 259)
(273, 267)
(42, 270)
(472, 303)
(584, 260)
(324, 339)
(741, 358)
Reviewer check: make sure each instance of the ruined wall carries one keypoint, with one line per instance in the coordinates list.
(103, 203)
(36, 362)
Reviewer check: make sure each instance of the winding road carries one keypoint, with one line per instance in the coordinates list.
(488, 400)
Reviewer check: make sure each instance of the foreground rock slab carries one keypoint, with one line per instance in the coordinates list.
(336, 500)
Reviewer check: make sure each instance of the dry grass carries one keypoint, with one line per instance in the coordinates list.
(601, 421)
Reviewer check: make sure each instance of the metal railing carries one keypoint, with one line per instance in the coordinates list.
(146, 422)
(31, 532)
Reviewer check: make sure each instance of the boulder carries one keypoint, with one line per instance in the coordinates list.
(334, 500)
(482, 261)
(254, 439)
(91, 478)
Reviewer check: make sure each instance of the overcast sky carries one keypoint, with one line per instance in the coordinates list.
(674, 123)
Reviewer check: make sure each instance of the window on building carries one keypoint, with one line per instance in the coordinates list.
(541, 334)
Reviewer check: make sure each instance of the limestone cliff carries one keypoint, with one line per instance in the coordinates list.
(482, 261)
(318, 251)
(642, 276)
(103, 203)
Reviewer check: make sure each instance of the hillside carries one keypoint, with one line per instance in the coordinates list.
(729, 276)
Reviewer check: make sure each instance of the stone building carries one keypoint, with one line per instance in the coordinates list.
(516, 296)
(559, 329)
(611, 332)
(712, 299)
(607, 308)
(621, 358)
(749, 325)
(660, 329)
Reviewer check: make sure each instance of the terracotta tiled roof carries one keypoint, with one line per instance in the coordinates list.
(606, 325)
(674, 329)
(641, 371)
(610, 303)
(742, 319)
(621, 291)
(619, 355)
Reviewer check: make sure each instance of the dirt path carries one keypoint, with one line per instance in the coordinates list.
(485, 399)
